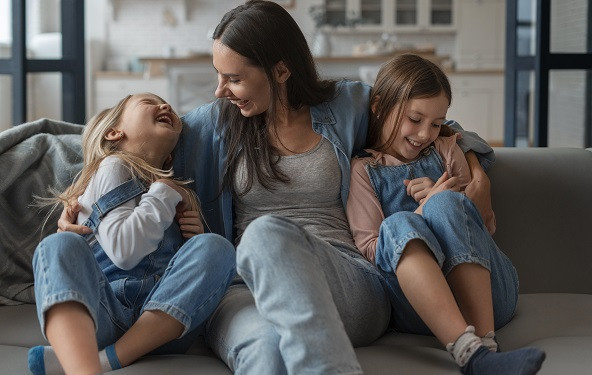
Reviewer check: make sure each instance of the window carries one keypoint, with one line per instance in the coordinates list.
(391, 15)
(20, 72)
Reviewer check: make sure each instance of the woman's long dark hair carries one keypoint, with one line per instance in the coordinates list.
(265, 34)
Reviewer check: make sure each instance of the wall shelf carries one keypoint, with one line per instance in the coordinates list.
(113, 8)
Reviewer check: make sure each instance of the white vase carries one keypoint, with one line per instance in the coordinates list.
(321, 44)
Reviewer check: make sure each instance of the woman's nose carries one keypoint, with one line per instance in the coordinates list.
(166, 106)
(221, 90)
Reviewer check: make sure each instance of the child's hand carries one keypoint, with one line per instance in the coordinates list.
(419, 188)
(443, 183)
(190, 223)
(68, 218)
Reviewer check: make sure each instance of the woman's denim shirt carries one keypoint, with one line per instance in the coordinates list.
(200, 154)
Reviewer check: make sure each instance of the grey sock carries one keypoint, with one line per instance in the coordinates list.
(490, 342)
(464, 346)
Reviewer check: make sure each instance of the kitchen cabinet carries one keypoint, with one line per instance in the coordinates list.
(391, 16)
(480, 37)
(111, 87)
(478, 103)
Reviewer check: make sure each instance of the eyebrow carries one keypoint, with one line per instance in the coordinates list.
(227, 74)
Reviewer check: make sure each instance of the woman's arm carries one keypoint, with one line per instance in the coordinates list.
(470, 141)
(479, 191)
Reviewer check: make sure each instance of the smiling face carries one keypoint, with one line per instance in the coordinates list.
(245, 85)
(150, 128)
(419, 127)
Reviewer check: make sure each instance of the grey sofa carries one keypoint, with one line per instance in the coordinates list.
(543, 203)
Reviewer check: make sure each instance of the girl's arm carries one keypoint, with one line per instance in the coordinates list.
(135, 228)
(364, 212)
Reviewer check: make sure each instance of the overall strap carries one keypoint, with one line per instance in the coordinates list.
(114, 198)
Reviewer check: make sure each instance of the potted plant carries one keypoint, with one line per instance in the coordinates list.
(321, 44)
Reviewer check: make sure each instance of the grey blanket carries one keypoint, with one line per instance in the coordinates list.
(33, 157)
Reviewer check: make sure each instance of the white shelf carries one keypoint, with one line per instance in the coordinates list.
(113, 8)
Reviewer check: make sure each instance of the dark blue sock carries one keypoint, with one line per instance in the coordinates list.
(525, 361)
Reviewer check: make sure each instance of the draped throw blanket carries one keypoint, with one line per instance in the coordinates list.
(33, 157)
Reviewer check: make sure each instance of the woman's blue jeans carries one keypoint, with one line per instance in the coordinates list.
(302, 308)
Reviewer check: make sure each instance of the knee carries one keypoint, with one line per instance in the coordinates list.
(211, 249)
(443, 204)
(266, 237)
(401, 222)
(64, 246)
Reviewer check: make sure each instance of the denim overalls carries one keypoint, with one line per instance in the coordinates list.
(450, 225)
(185, 281)
(132, 285)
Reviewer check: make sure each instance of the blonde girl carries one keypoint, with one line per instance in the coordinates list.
(131, 284)
(408, 216)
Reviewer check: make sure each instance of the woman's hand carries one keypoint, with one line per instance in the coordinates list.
(479, 192)
(418, 188)
(443, 183)
(68, 218)
(190, 223)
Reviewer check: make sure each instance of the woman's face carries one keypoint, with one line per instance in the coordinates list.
(245, 85)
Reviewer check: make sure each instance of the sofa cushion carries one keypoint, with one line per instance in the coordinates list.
(541, 198)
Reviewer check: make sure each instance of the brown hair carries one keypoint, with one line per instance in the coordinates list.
(399, 80)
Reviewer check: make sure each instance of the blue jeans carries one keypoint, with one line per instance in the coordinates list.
(304, 304)
(189, 290)
(452, 228)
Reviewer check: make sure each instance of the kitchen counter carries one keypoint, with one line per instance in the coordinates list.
(158, 65)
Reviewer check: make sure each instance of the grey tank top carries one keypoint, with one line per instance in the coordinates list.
(311, 198)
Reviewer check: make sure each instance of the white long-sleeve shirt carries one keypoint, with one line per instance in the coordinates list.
(135, 228)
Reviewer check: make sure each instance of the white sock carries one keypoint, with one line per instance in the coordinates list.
(489, 341)
(464, 346)
(104, 361)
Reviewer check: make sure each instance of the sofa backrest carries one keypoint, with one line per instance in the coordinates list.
(542, 198)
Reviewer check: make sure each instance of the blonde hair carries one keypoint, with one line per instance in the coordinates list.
(95, 148)
(399, 80)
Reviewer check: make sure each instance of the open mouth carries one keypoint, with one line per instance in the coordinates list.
(240, 103)
(166, 118)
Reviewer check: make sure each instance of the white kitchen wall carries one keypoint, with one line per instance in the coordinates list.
(141, 28)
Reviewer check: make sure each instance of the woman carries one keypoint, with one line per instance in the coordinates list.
(271, 164)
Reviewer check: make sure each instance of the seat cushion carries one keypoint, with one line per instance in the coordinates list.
(547, 315)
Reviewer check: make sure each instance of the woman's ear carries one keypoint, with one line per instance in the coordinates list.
(114, 135)
(374, 105)
(281, 72)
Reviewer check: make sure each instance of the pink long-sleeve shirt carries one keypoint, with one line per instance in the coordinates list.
(364, 212)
